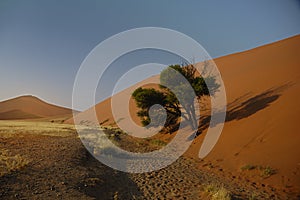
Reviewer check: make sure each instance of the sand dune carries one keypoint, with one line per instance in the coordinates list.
(261, 128)
(17, 114)
(29, 107)
(103, 109)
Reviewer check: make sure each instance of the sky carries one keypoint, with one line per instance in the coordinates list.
(43, 43)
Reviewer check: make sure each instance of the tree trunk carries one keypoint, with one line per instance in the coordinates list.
(191, 116)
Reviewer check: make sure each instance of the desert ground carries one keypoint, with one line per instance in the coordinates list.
(44, 160)
(256, 157)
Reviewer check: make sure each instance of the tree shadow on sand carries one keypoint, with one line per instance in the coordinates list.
(103, 182)
(246, 105)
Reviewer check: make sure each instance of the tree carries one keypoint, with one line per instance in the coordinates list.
(145, 98)
(178, 84)
(182, 80)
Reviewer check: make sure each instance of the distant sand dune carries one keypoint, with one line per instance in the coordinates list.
(29, 107)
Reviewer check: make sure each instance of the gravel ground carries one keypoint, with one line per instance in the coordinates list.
(61, 168)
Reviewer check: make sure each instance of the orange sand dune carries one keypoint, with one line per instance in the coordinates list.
(103, 109)
(29, 107)
(261, 128)
(16, 114)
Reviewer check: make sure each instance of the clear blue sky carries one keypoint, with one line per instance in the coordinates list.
(42, 43)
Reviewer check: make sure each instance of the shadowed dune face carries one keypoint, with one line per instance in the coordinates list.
(247, 105)
(29, 107)
(17, 114)
(262, 88)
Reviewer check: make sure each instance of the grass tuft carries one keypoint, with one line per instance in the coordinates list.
(248, 167)
(267, 172)
(217, 192)
(264, 171)
(158, 142)
(10, 163)
(253, 196)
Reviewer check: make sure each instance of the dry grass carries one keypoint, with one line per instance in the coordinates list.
(12, 128)
(264, 171)
(248, 167)
(217, 192)
(158, 142)
(10, 163)
(267, 172)
(253, 196)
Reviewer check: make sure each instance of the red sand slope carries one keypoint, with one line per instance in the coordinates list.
(103, 109)
(262, 127)
(262, 87)
(29, 107)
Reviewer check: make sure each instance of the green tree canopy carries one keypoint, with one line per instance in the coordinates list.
(180, 85)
